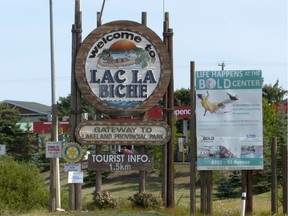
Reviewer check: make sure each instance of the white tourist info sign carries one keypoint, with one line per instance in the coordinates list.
(229, 120)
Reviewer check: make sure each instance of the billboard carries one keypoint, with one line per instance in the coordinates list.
(229, 126)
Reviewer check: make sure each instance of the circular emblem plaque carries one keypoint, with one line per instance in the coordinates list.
(72, 152)
(123, 68)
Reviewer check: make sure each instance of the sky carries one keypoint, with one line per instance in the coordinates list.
(244, 34)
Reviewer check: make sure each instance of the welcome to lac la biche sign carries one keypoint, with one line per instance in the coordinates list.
(123, 68)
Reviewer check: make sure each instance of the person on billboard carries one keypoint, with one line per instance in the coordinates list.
(214, 107)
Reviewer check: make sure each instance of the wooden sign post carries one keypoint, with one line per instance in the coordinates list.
(75, 190)
(123, 69)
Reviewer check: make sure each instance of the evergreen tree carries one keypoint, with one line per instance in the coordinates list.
(182, 97)
(228, 185)
(64, 107)
(274, 93)
(21, 144)
(10, 132)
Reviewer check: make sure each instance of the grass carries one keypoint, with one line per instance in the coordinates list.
(123, 184)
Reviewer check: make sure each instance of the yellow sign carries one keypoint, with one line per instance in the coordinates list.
(72, 152)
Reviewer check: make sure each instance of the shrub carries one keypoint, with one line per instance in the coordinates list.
(229, 185)
(21, 187)
(145, 200)
(104, 200)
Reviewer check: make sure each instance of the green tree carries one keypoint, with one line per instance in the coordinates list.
(8, 128)
(64, 107)
(21, 144)
(262, 180)
(182, 97)
(275, 125)
(10, 133)
(228, 185)
(274, 93)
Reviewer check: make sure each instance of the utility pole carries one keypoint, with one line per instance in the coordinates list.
(222, 65)
(54, 162)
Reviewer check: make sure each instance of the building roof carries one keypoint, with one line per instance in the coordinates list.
(30, 107)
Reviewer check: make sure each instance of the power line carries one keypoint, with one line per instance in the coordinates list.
(33, 80)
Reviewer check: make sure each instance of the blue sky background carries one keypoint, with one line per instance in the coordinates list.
(245, 34)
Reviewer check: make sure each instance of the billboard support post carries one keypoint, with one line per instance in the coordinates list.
(193, 141)
(285, 178)
(168, 40)
(274, 191)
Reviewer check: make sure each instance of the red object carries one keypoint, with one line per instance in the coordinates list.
(155, 113)
(120, 120)
(127, 151)
(181, 112)
(45, 127)
(281, 108)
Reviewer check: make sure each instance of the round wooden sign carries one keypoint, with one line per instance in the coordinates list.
(123, 68)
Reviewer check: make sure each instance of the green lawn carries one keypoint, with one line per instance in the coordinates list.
(124, 184)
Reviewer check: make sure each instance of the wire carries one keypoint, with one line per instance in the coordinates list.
(102, 9)
(33, 80)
